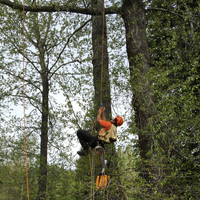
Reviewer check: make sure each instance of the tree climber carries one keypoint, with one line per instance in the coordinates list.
(107, 134)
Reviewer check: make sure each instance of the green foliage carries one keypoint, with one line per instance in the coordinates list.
(61, 183)
(83, 178)
(53, 42)
(66, 65)
(51, 46)
(128, 159)
(174, 47)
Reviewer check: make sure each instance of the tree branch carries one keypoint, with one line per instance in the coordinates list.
(14, 43)
(26, 80)
(67, 44)
(61, 8)
(73, 61)
(163, 10)
(73, 110)
(70, 8)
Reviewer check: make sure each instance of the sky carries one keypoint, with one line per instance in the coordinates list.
(120, 104)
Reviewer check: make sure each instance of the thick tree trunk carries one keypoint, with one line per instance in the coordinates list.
(97, 31)
(44, 131)
(133, 14)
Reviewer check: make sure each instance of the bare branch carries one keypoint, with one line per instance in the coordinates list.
(163, 10)
(73, 61)
(58, 58)
(14, 43)
(20, 77)
(73, 110)
(59, 8)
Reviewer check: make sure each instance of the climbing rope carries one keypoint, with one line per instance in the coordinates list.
(100, 97)
(102, 52)
(24, 110)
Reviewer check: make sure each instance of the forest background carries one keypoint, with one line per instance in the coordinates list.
(150, 77)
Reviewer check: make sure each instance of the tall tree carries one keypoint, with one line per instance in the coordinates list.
(176, 51)
(45, 61)
(98, 75)
(101, 79)
(133, 13)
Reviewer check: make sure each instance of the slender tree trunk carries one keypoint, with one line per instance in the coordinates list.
(133, 14)
(44, 129)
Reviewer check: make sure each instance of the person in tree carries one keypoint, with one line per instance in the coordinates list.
(107, 134)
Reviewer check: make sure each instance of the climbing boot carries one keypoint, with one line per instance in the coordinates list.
(82, 152)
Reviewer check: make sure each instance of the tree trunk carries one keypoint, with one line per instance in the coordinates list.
(133, 14)
(44, 129)
(97, 31)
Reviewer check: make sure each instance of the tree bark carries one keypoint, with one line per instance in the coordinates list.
(44, 128)
(97, 32)
(133, 13)
(58, 8)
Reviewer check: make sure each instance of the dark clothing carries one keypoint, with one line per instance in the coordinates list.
(85, 139)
